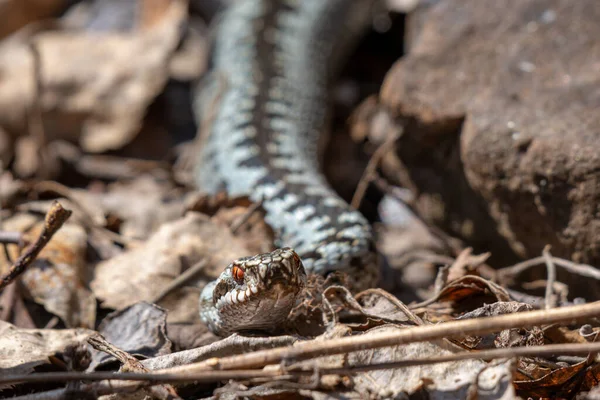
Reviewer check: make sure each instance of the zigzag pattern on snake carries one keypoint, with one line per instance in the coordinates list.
(264, 106)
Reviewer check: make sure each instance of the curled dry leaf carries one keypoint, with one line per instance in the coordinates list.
(142, 273)
(21, 350)
(559, 383)
(467, 293)
(58, 278)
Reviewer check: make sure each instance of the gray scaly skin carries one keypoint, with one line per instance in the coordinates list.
(261, 115)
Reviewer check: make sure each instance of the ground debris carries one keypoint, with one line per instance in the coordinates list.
(474, 155)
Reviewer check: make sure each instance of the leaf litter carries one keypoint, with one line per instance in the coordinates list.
(81, 98)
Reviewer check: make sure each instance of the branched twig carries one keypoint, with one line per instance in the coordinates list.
(55, 218)
(585, 270)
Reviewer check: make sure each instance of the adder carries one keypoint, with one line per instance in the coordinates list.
(262, 112)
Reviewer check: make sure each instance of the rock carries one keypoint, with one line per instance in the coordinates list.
(499, 103)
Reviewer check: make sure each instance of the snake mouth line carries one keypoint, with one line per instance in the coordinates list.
(236, 296)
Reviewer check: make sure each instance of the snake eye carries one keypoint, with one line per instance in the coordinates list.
(296, 258)
(238, 274)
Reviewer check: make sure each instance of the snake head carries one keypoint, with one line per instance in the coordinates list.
(253, 293)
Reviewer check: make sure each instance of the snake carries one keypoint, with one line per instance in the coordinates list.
(263, 111)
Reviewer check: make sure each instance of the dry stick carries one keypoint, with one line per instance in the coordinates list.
(579, 269)
(181, 374)
(478, 326)
(180, 280)
(55, 218)
(214, 376)
(370, 170)
(550, 297)
(132, 364)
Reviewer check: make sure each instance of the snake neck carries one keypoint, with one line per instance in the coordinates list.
(263, 110)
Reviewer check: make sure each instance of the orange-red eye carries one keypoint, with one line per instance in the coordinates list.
(296, 258)
(238, 273)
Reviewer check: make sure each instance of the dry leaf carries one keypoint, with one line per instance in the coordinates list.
(21, 350)
(58, 278)
(140, 330)
(141, 273)
(95, 87)
(451, 380)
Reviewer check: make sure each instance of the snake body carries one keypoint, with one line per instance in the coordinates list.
(261, 114)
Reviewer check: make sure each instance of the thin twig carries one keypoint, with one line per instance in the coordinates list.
(132, 364)
(371, 168)
(180, 280)
(585, 270)
(55, 218)
(478, 326)
(167, 376)
(550, 297)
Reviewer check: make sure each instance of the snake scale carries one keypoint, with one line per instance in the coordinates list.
(262, 112)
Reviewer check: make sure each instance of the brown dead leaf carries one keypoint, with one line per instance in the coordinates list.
(139, 329)
(464, 294)
(465, 264)
(435, 381)
(21, 350)
(189, 336)
(507, 337)
(95, 87)
(18, 13)
(142, 204)
(591, 379)
(560, 383)
(244, 217)
(57, 279)
(142, 273)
